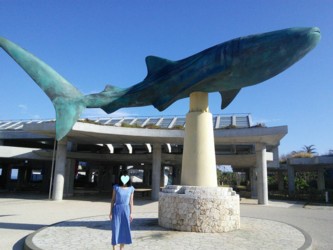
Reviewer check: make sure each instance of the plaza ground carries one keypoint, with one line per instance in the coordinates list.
(21, 215)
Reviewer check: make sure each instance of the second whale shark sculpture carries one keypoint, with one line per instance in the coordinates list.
(224, 68)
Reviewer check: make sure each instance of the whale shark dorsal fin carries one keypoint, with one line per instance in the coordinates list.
(155, 63)
(228, 97)
(111, 88)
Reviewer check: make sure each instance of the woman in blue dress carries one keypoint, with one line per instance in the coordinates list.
(121, 211)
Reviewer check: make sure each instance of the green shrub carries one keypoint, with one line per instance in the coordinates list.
(152, 126)
(127, 125)
(178, 127)
(302, 155)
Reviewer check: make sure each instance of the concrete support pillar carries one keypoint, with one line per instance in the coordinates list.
(156, 175)
(291, 179)
(199, 162)
(4, 178)
(280, 181)
(20, 177)
(146, 176)
(69, 172)
(276, 158)
(176, 174)
(69, 178)
(46, 177)
(7, 175)
(162, 177)
(321, 179)
(253, 181)
(59, 171)
(262, 174)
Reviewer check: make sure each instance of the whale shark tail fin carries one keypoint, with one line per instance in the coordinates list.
(67, 100)
(67, 113)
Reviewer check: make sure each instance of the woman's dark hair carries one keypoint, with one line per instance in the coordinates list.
(124, 172)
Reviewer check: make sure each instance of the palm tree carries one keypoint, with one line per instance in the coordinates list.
(309, 149)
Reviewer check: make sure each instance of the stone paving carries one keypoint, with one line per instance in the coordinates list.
(95, 233)
(83, 221)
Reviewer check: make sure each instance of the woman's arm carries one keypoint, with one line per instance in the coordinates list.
(131, 206)
(112, 203)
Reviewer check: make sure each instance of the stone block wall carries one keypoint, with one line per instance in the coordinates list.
(199, 209)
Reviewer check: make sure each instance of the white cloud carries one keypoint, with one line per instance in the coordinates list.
(23, 108)
(36, 117)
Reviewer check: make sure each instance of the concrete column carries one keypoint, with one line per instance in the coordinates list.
(69, 172)
(156, 173)
(146, 176)
(262, 174)
(177, 170)
(162, 177)
(280, 181)
(46, 176)
(276, 160)
(321, 179)
(21, 176)
(69, 178)
(253, 180)
(59, 171)
(199, 162)
(291, 179)
(4, 176)
(7, 176)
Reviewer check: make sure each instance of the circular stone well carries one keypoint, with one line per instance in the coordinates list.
(199, 209)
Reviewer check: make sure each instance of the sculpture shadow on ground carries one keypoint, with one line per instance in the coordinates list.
(138, 224)
(19, 245)
(20, 226)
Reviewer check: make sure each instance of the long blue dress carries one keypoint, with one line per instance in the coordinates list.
(121, 230)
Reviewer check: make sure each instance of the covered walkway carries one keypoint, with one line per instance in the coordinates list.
(151, 147)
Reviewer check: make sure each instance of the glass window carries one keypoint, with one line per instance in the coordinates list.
(14, 174)
(36, 175)
(179, 122)
(242, 121)
(140, 121)
(0, 171)
(225, 121)
(168, 175)
(166, 122)
(136, 175)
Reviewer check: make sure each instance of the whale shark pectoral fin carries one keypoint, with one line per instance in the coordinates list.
(67, 113)
(112, 107)
(228, 97)
(163, 103)
(155, 63)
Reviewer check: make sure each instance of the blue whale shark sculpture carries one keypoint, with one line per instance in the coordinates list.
(224, 68)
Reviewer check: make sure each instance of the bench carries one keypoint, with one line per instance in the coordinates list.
(144, 191)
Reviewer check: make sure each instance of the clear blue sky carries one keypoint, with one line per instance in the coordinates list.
(93, 43)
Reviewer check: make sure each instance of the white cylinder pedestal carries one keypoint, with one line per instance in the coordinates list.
(199, 162)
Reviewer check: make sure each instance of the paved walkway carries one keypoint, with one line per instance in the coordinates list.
(83, 224)
(94, 233)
